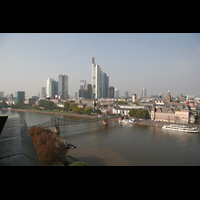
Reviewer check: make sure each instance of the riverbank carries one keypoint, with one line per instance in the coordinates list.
(52, 112)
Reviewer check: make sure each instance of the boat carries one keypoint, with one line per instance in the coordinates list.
(183, 128)
(127, 121)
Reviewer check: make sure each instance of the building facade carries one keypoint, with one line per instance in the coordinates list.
(134, 96)
(52, 88)
(19, 97)
(168, 98)
(82, 84)
(1, 94)
(111, 90)
(105, 85)
(126, 94)
(43, 92)
(143, 92)
(88, 91)
(116, 94)
(63, 86)
(100, 81)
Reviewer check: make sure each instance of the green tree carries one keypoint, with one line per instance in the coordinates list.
(98, 111)
(72, 106)
(88, 111)
(132, 112)
(79, 163)
(139, 113)
(121, 103)
(35, 107)
(66, 106)
(3, 104)
(79, 110)
(48, 105)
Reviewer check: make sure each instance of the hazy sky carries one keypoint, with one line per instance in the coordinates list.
(132, 61)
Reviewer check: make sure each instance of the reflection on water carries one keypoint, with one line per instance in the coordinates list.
(125, 145)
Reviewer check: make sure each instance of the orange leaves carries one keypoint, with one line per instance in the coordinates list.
(50, 151)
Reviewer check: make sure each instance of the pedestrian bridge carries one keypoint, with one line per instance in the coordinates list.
(56, 122)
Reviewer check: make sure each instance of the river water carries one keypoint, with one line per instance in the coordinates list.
(124, 145)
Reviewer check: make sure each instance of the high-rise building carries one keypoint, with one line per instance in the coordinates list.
(116, 94)
(111, 90)
(143, 92)
(82, 84)
(19, 97)
(88, 91)
(63, 86)
(9, 96)
(1, 94)
(105, 85)
(126, 94)
(100, 82)
(52, 88)
(43, 92)
(134, 96)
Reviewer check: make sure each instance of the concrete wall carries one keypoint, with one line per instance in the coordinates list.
(16, 145)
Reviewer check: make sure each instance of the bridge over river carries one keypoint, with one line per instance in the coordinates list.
(57, 122)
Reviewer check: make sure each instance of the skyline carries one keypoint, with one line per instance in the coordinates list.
(133, 61)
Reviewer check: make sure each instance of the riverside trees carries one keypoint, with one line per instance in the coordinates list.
(50, 150)
(139, 113)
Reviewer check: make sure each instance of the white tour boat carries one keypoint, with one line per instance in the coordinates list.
(183, 128)
(127, 121)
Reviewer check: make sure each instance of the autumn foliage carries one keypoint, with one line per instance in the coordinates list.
(50, 150)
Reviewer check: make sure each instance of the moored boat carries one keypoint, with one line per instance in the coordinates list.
(183, 128)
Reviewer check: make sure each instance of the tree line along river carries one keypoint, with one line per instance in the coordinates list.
(123, 145)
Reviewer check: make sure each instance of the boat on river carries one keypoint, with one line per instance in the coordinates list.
(127, 121)
(183, 128)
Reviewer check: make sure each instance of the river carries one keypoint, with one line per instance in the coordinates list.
(124, 145)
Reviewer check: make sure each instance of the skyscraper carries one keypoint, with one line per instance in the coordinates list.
(100, 81)
(82, 84)
(1, 94)
(126, 94)
(19, 97)
(116, 94)
(111, 90)
(105, 85)
(63, 86)
(52, 88)
(43, 92)
(88, 91)
(143, 92)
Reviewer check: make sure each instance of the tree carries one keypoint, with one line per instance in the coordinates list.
(3, 104)
(50, 150)
(66, 106)
(132, 112)
(48, 104)
(79, 110)
(121, 103)
(72, 106)
(88, 111)
(98, 111)
(79, 163)
(139, 113)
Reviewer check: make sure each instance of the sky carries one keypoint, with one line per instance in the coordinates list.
(133, 61)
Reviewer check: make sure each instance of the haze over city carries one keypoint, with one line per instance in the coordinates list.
(133, 61)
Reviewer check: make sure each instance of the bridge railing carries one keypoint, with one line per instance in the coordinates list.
(61, 122)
